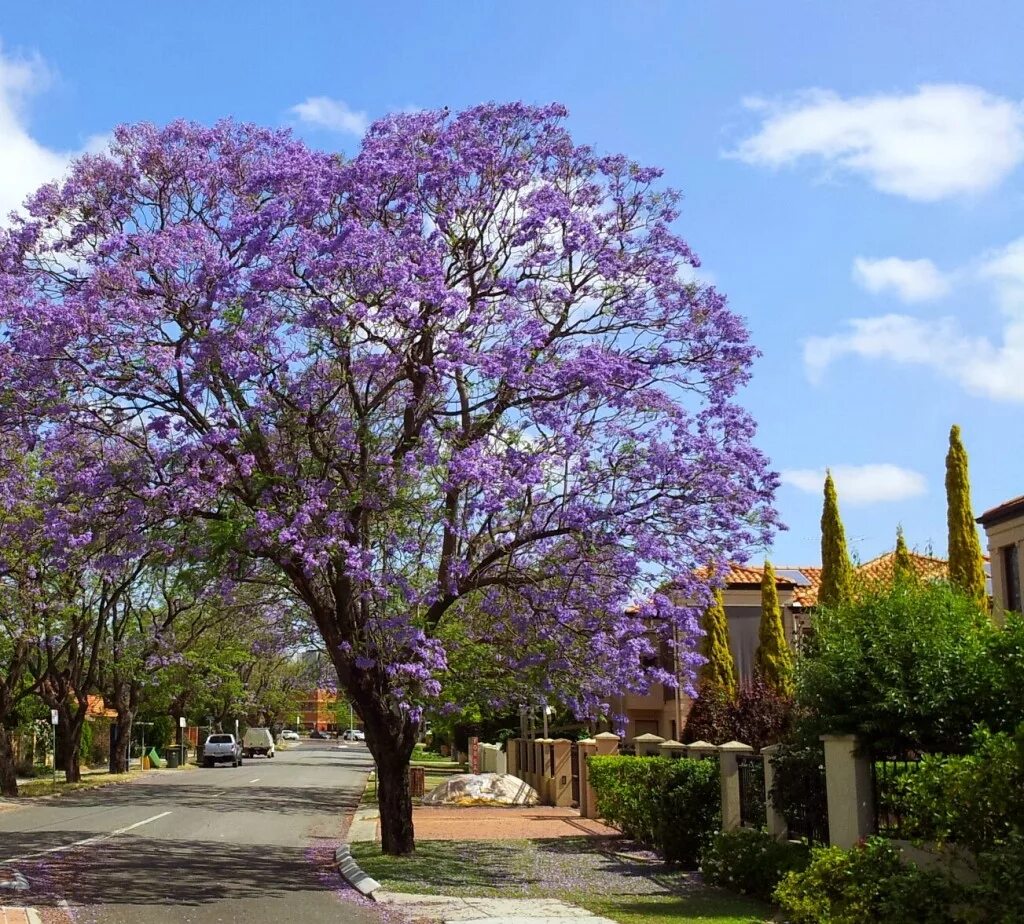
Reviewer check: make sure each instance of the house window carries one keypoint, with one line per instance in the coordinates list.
(1011, 568)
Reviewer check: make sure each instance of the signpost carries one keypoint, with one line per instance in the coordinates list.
(181, 741)
(53, 725)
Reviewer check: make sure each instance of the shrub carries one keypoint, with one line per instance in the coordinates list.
(750, 862)
(974, 801)
(905, 666)
(869, 883)
(671, 805)
(758, 716)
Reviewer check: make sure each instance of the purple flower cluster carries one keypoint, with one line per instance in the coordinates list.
(459, 377)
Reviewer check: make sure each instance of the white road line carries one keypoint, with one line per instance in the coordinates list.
(255, 780)
(95, 839)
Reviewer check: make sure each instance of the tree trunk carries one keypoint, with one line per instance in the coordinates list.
(72, 724)
(395, 802)
(8, 771)
(122, 733)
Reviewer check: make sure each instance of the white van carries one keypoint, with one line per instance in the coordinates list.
(257, 741)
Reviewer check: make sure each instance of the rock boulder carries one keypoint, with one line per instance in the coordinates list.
(482, 789)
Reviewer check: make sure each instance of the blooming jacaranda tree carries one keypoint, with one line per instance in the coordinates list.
(467, 372)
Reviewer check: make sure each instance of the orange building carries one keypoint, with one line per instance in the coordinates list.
(317, 711)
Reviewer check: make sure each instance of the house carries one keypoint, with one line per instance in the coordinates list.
(1004, 529)
(316, 710)
(657, 712)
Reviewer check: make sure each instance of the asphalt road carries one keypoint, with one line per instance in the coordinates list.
(253, 843)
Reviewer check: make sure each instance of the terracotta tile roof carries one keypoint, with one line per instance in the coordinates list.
(881, 569)
(1005, 511)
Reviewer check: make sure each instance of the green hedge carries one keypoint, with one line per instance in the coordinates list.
(671, 805)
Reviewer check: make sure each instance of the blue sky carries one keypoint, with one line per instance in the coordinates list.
(853, 180)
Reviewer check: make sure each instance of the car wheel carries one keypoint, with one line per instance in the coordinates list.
(207, 762)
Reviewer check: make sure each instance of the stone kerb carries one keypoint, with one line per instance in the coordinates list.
(648, 745)
(730, 776)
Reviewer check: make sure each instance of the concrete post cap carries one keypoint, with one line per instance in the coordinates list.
(737, 746)
(647, 739)
(587, 741)
(672, 745)
(702, 746)
(604, 736)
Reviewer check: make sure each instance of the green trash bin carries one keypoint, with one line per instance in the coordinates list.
(172, 755)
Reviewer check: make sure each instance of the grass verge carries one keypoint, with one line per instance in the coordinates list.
(430, 780)
(36, 788)
(576, 870)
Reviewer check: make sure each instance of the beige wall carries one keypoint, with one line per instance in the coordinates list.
(1000, 536)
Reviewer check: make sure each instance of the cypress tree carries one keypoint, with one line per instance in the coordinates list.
(718, 673)
(902, 566)
(966, 566)
(773, 662)
(836, 570)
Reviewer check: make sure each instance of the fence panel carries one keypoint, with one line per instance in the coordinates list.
(889, 776)
(753, 813)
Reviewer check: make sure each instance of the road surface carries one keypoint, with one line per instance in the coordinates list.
(253, 844)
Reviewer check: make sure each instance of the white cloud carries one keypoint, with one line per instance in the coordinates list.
(982, 365)
(861, 484)
(332, 114)
(942, 140)
(911, 280)
(25, 164)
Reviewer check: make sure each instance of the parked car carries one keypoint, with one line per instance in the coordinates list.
(353, 734)
(221, 749)
(290, 735)
(316, 733)
(258, 741)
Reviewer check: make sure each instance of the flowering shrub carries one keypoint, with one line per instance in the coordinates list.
(869, 883)
(750, 862)
(671, 805)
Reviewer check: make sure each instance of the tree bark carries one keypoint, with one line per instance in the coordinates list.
(395, 802)
(8, 771)
(122, 732)
(72, 723)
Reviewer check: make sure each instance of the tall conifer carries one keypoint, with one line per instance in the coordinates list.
(718, 673)
(902, 566)
(772, 661)
(836, 570)
(966, 566)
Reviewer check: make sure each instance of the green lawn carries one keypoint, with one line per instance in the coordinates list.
(623, 888)
(430, 780)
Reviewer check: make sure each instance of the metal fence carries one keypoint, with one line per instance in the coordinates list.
(753, 812)
(890, 777)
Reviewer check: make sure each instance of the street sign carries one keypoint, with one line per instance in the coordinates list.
(53, 716)
(181, 721)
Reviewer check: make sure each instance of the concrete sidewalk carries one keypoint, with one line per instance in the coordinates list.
(446, 909)
(19, 916)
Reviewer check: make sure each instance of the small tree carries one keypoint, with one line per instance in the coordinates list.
(966, 565)
(718, 673)
(773, 661)
(836, 570)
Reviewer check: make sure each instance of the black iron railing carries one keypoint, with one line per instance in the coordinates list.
(890, 777)
(753, 812)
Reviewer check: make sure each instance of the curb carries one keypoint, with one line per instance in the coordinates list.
(14, 881)
(353, 874)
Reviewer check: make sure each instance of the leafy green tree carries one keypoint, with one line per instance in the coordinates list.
(908, 665)
(773, 661)
(966, 565)
(836, 570)
(717, 675)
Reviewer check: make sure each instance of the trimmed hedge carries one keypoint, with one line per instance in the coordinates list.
(673, 806)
